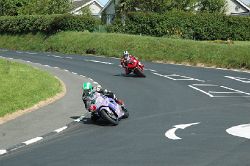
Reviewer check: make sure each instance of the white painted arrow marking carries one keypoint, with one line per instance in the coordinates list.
(171, 133)
(240, 131)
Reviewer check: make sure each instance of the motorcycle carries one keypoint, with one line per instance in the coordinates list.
(107, 109)
(134, 66)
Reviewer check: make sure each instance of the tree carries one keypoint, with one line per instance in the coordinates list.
(10, 7)
(212, 6)
(29, 7)
(159, 6)
(45, 7)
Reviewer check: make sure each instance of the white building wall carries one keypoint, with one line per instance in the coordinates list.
(95, 8)
(234, 7)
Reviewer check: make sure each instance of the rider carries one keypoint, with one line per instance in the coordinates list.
(125, 60)
(90, 93)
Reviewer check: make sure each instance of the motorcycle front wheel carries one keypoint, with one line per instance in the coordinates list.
(111, 118)
(139, 73)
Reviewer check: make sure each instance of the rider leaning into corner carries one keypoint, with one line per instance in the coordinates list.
(125, 60)
(91, 93)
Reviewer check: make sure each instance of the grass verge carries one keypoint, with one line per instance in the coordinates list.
(23, 86)
(211, 53)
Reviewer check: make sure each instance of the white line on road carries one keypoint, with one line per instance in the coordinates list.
(195, 88)
(61, 129)
(239, 79)
(3, 151)
(31, 141)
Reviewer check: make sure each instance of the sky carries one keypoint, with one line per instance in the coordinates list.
(105, 1)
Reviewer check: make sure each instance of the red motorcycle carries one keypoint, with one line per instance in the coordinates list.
(134, 66)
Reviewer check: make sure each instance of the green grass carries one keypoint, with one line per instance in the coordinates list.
(210, 53)
(23, 86)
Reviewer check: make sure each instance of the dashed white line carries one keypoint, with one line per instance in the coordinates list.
(158, 74)
(3, 151)
(31, 141)
(31, 53)
(80, 118)
(61, 129)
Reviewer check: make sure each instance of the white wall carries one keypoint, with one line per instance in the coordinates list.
(234, 7)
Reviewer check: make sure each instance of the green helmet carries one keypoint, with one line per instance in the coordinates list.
(87, 86)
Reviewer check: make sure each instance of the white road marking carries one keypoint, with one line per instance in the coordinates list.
(182, 78)
(240, 131)
(171, 133)
(212, 93)
(31, 53)
(80, 118)
(74, 73)
(46, 65)
(31, 141)
(107, 63)
(236, 90)
(158, 74)
(68, 57)
(56, 67)
(3, 151)
(65, 70)
(195, 88)
(239, 79)
(61, 129)
(152, 70)
(56, 56)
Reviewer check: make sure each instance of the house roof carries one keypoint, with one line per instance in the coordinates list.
(239, 1)
(243, 4)
(107, 5)
(78, 4)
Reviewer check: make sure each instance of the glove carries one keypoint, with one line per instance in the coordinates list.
(92, 108)
(120, 102)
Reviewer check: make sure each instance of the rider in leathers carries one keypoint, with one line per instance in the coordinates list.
(90, 93)
(125, 60)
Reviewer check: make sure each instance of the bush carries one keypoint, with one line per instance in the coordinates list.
(202, 26)
(46, 23)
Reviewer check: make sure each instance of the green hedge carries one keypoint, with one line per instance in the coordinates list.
(46, 23)
(202, 26)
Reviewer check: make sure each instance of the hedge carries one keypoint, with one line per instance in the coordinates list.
(202, 26)
(46, 23)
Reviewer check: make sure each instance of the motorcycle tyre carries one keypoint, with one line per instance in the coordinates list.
(139, 73)
(106, 117)
(94, 117)
(126, 113)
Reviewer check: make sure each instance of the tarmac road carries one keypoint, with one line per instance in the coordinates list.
(178, 117)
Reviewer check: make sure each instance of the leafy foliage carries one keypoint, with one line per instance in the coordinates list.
(33, 7)
(46, 23)
(162, 6)
(204, 26)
